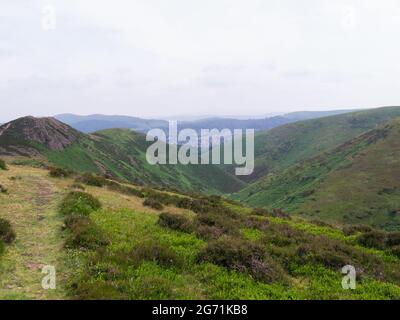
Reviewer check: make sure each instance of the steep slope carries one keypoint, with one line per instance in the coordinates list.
(281, 147)
(355, 182)
(129, 149)
(120, 153)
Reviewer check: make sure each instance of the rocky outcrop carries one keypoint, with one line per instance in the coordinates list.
(48, 132)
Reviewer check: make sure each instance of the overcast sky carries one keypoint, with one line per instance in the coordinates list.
(154, 58)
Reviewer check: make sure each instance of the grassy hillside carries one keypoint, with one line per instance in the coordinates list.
(355, 182)
(290, 144)
(120, 153)
(109, 243)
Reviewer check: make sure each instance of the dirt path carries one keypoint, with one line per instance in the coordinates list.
(31, 207)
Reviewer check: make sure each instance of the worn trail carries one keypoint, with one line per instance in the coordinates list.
(31, 207)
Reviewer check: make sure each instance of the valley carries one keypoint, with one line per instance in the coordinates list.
(354, 181)
(120, 153)
(325, 194)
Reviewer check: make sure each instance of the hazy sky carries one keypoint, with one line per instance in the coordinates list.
(153, 58)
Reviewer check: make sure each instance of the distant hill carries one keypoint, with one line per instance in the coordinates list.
(259, 124)
(306, 115)
(92, 123)
(356, 182)
(117, 152)
(286, 145)
(99, 122)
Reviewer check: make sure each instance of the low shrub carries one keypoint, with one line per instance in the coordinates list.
(155, 252)
(282, 235)
(84, 233)
(209, 232)
(373, 239)
(7, 234)
(79, 203)
(184, 203)
(152, 203)
(3, 165)
(130, 191)
(205, 205)
(198, 204)
(395, 251)
(91, 179)
(261, 224)
(71, 220)
(335, 254)
(292, 247)
(241, 256)
(277, 213)
(321, 223)
(229, 252)
(213, 224)
(161, 197)
(2, 247)
(56, 172)
(353, 229)
(3, 189)
(95, 289)
(260, 212)
(393, 239)
(175, 222)
(309, 253)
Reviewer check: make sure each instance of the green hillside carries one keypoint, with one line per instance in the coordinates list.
(290, 144)
(120, 241)
(120, 153)
(354, 182)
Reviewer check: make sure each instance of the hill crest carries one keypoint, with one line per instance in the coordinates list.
(47, 131)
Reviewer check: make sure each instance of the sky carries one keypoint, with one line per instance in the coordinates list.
(161, 58)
